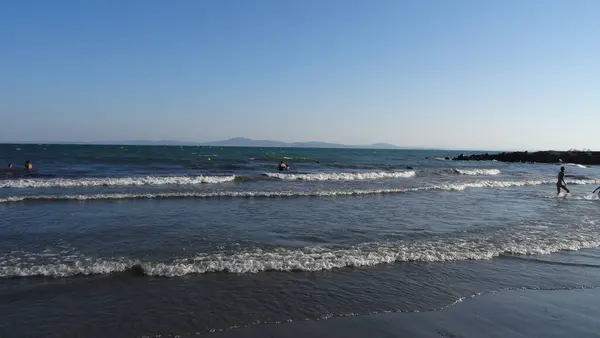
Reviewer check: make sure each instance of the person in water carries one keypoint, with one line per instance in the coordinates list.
(283, 166)
(28, 164)
(597, 189)
(561, 184)
(10, 166)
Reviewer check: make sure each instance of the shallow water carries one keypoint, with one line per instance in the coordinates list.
(140, 241)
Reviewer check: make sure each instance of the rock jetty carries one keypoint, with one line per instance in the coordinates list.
(579, 157)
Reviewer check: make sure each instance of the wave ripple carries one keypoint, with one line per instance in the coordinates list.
(107, 182)
(256, 260)
(278, 194)
(342, 176)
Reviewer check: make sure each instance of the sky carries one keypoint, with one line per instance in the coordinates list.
(465, 74)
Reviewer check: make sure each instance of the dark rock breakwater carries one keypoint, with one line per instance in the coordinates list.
(580, 157)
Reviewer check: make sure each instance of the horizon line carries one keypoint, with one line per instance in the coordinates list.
(175, 143)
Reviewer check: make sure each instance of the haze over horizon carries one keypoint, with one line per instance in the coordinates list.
(246, 142)
(460, 75)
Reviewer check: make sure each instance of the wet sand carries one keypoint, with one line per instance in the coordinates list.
(522, 313)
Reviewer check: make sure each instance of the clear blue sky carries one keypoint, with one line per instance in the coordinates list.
(510, 74)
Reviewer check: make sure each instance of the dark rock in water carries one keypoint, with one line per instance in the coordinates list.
(579, 157)
(409, 168)
(446, 158)
(137, 271)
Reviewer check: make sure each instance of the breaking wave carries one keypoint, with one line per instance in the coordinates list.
(107, 182)
(474, 172)
(202, 195)
(254, 260)
(589, 197)
(577, 165)
(342, 176)
(280, 194)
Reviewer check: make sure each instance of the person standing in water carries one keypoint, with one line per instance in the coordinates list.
(561, 184)
(283, 166)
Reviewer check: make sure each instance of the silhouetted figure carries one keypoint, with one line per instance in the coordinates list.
(561, 184)
(283, 166)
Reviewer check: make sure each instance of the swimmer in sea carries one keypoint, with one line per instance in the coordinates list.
(10, 166)
(561, 184)
(28, 165)
(283, 166)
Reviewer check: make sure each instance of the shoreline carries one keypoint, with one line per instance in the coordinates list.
(516, 313)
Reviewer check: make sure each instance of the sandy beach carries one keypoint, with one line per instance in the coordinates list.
(516, 313)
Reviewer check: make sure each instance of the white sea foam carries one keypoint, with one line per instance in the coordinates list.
(580, 181)
(501, 184)
(200, 195)
(254, 260)
(590, 197)
(106, 181)
(577, 165)
(342, 176)
(475, 172)
(279, 194)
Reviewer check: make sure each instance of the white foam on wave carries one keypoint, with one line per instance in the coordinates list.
(503, 184)
(475, 172)
(580, 181)
(107, 181)
(342, 176)
(201, 195)
(487, 184)
(254, 260)
(590, 197)
(280, 194)
(577, 165)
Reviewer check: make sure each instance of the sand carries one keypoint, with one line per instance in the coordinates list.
(522, 313)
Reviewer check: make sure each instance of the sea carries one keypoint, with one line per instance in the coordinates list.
(188, 241)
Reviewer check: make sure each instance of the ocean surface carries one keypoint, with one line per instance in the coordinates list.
(142, 241)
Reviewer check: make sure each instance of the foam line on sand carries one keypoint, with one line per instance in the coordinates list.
(521, 313)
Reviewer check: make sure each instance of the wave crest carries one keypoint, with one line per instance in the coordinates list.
(475, 172)
(341, 176)
(280, 194)
(107, 182)
(577, 165)
(256, 260)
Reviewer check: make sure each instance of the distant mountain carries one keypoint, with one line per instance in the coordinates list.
(235, 142)
(246, 142)
(318, 145)
(143, 143)
(384, 146)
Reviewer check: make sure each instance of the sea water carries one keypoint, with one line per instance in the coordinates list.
(130, 241)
